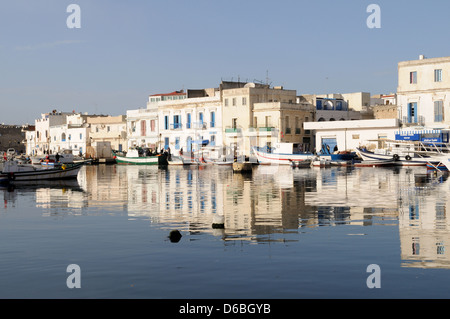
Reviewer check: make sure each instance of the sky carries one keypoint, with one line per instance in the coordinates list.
(125, 51)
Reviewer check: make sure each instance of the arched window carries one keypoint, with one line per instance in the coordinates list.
(63, 137)
(321, 119)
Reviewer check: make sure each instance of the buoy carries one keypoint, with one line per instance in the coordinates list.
(175, 236)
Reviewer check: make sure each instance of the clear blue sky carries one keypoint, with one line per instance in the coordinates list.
(126, 50)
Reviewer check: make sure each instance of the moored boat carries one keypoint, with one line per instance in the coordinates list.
(134, 158)
(13, 171)
(375, 163)
(281, 154)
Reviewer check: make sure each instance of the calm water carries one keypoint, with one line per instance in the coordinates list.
(289, 233)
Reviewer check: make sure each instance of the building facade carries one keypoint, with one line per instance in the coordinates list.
(423, 92)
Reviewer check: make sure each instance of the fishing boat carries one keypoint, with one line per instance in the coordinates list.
(14, 171)
(403, 158)
(281, 154)
(376, 163)
(133, 157)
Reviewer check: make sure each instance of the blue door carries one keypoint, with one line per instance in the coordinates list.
(328, 145)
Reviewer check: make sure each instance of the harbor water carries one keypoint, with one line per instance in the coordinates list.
(284, 233)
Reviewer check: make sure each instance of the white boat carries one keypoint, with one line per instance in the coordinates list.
(403, 154)
(134, 158)
(13, 171)
(281, 154)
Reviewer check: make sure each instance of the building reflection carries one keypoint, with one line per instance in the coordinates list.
(269, 205)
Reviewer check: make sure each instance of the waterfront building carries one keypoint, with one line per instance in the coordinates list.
(106, 133)
(71, 135)
(348, 135)
(339, 107)
(384, 106)
(190, 122)
(423, 92)
(41, 144)
(13, 136)
(259, 115)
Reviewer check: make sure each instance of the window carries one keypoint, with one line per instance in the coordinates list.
(143, 128)
(226, 102)
(108, 128)
(319, 104)
(176, 122)
(213, 119)
(268, 121)
(412, 112)
(297, 125)
(234, 101)
(287, 126)
(166, 122)
(234, 123)
(413, 77)
(438, 111)
(81, 136)
(200, 118)
(244, 101)
(339, 105)
(188, 124)
(438, 75)
(152, 125)
(255, 122)
(63, 137)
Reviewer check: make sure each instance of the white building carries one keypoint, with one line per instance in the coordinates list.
(41, 144)
(73, 135)
(423, 92)
(349, 135)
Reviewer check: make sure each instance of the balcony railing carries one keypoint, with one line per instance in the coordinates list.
(176, 126)
(232, 130)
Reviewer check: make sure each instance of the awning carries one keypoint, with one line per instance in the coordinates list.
(202, 142)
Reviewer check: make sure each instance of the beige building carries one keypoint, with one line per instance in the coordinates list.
(423, 92)
(108, 130)
(258, 115)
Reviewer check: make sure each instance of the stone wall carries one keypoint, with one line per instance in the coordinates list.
(11, 136)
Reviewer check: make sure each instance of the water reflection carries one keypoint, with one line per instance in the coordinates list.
(272, 204)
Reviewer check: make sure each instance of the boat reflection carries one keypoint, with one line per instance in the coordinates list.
(273, 204)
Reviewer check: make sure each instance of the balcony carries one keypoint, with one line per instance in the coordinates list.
(266, 129)
(176, 126)
(233, 130)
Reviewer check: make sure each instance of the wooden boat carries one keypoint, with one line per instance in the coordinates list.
(134, 158)
(13, 171)
(375, 163)
(281, 154)
(403, 157)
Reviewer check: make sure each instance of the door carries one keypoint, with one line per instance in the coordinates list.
(328, 145)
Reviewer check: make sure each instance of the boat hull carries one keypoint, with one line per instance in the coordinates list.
(43, 174)
(145, 160)
(281, 159)
(399, 161)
